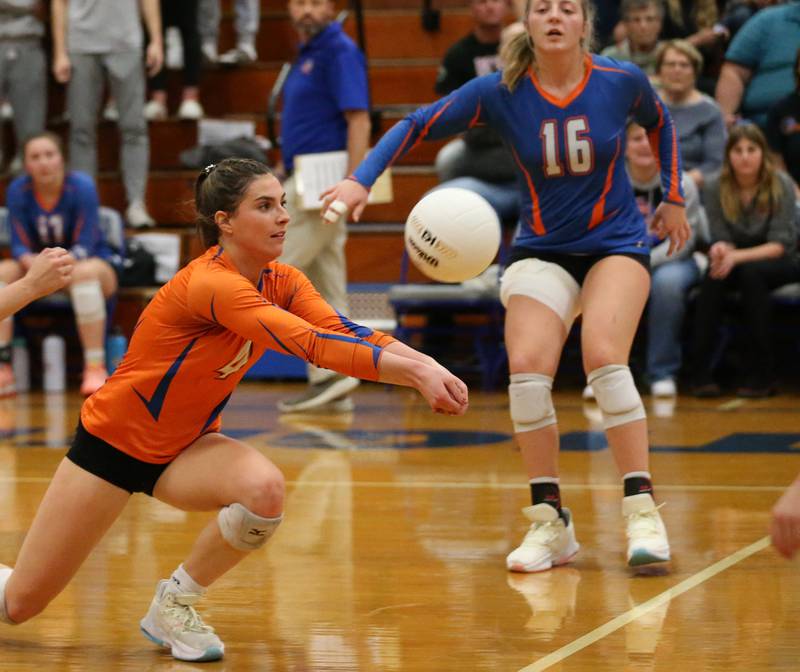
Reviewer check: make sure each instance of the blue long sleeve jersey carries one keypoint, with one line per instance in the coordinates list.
(72, 222)
(569, 153)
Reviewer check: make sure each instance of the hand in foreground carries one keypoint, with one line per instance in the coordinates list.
(785, 525)
(444, 392)
(670, 220)
(50, 270)
(346, 196)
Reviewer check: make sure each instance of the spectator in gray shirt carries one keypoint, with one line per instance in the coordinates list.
(697, 117)
(98, 39)
(751, 216)
(642, 20)
(23, 67)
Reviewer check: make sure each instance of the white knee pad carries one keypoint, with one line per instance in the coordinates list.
(243, 529)
(88, 302)
(5, 572)
(616, 395)
(530, 401)
(545, 282)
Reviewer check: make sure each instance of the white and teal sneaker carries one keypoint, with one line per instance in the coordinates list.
(647, 536)
(548, 543)
(173, 623)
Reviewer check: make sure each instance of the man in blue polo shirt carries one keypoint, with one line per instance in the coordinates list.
(759, 64)
(325, 109)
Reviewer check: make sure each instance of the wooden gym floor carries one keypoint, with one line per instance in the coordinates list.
(391, 556)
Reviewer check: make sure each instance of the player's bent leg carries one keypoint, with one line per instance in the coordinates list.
(77, 510)
(216, 472)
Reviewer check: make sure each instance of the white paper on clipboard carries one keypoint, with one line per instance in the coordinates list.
(314, 173)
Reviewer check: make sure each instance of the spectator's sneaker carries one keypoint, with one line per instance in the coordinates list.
(8, 385)
(242, 54)
(6, 111)
(647, 536)
(137, 216)
(155, 110)
(5, 572)
(664, 388)
(588, 393)
(110, 111)
(320, 394)
(549, 541)
(94, 376)
(190, 109)
(173, 623)
(209, 51)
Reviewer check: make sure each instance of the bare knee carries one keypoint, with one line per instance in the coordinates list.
(599, 355)
(263, 492)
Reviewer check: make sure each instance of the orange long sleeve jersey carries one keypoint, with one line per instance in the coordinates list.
(197, 338)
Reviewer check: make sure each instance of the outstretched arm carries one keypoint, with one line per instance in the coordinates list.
(448, 116)
(50, 271)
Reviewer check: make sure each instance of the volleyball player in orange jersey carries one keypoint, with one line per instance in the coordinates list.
(154, 426)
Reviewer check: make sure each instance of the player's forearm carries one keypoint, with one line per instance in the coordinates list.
(402, 350)
(16, 296)
(399, 370)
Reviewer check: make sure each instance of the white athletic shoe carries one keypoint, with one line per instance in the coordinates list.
(173, 623)
(647, 536)
(588, 393)
(548, 542)
(664, 388)
(5, 572)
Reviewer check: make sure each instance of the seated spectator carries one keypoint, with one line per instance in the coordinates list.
(248, 16)
(751, 215)
(642, 20)
(479, 161)
(783, 129)
(759, 64)
(701, 128)
(183, 15)
(672, 276)
(691, 20)
(50, 207)
(23, 68)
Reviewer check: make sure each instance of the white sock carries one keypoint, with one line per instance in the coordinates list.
(544, 479)
(5, 573)
(181, 582)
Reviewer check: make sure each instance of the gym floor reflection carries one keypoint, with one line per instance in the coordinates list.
(391, 554)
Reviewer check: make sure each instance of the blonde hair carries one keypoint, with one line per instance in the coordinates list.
(517, 56)
(683, 47)
(768, 189)
(704, 12)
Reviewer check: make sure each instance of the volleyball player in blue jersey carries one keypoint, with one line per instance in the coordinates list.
(581, 247)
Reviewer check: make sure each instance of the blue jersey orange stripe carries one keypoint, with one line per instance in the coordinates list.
(568, 151)
(195, 341)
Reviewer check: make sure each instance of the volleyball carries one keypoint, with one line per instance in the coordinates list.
(452, 234)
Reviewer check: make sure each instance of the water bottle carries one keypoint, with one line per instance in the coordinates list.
(116, 346)
(54, 363)
(20, 362)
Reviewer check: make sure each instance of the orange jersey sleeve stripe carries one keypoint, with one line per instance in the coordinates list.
(599, 208)
(536, 214)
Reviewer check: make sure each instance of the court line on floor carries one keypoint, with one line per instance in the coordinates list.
(637, 612)
(450, 485)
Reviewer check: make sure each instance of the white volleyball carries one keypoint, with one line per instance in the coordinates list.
(452, 234)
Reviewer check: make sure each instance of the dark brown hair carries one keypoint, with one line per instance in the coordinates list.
(222, 186)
